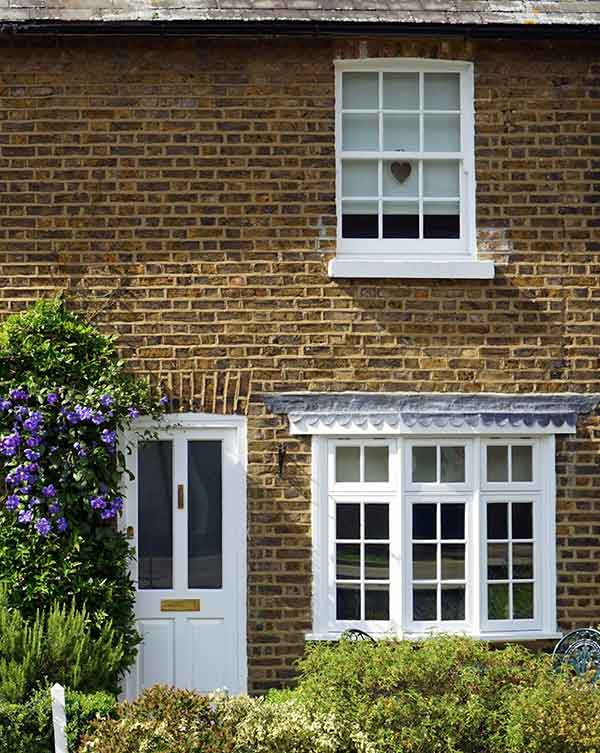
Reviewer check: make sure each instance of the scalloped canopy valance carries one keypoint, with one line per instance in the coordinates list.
(431, 413)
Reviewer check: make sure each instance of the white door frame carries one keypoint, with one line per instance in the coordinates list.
(237, 473)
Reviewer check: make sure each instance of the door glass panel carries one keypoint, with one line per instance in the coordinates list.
(155, 514)
(205, 515)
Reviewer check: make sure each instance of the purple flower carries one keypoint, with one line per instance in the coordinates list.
(49, 491)
(25, 516)
(117, 504)
(97, 503)
(52, 398)
(9, 444)
(34, 421)
(107, 514)
(84, 413)
(62, 525)
(72, 417)
(43, 526)
(12, 502)
(34, 501)
(33, 441)
(133, 412)
(98, 418)
(108, 437)
(164, 400)
(53, 508)
(19, 394)
(106, 401)
(5, 405)
(32, 454)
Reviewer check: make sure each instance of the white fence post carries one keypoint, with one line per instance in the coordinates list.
(59, 718)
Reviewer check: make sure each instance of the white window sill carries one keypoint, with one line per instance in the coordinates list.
(521, 635)
(442, 269)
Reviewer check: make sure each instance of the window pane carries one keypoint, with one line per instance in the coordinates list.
(376, 464)
(442, 91)
(424, 561)
(424, 522)
(401, 91)
(453, 521)
(377, 521)
(441, 219)
(360, 91)
(441, 133)
(360, 219)
(348, 561)
(400, 178)
(522, 463)
(155, 514)
(348, 602)
(498, 601)
(347, 464)
(497, 520)
(497, 463)
(205, 515)
(401, 133)
(359, 178)
(347, 521)
(424, 603)
(523, 601)
(452, 464)
(424, 464)
(453, 603)
(400, 219)
(522, 520)
(497, 561)
(377, 602)
(441, 179)
(377, 561)
(453, 561)
(360, 132)
(522, 562)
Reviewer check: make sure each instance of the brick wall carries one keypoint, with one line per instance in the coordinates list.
(183, 192)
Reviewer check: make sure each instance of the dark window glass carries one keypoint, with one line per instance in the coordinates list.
(377, 602)
(377, 521)
(522, 520)
(424, 464)
(377, 562)
(453, 603)
(441, 226)
(497, 561)
(424, 522)
(453, 521)
(347, 521)
(348, 561)
(498, 607)
(155, 514)
(348, 602)
(424, 604)
(523, 601)
(205, 515)
(453, 561)
(522, 561)
(522, 463)
(497, 463)
(360, 226)
(400, 225)
(497, 520)
(424, 561)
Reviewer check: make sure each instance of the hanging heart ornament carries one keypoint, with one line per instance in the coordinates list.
(401, 170)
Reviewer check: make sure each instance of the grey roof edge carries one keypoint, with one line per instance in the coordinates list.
(432, 404)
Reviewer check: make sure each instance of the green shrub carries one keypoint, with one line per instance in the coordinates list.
(161, 720)
(27, 727)
(57, 646)
(64, 395)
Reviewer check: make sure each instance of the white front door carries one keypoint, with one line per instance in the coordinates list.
(186, 517)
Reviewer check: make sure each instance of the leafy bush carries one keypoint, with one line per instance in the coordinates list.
(64, 396)
(27, 727)
(161, 720)
(57, 646)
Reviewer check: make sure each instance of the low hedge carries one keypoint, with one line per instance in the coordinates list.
(443, 695)
(27, 727)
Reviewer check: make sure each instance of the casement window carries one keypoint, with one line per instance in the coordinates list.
(405, 169)
(415, 535)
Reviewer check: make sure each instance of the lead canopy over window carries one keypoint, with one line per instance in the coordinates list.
(437, 534)
(405, 158)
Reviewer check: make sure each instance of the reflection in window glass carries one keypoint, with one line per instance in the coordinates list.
(205, 515)
(155, 514)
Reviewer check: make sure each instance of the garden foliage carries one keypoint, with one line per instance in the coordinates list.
(64, 396)
(443, 695)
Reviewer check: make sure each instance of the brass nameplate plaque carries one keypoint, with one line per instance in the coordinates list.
(180, 605)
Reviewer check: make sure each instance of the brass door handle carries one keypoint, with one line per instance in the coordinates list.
(180, 496)
(129, 532)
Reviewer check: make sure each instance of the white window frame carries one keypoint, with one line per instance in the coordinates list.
(401, 494)
(398, 257)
